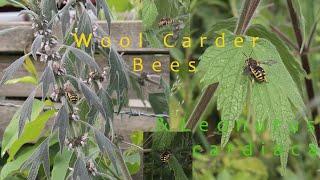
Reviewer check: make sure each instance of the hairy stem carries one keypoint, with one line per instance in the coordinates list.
(304, 59)
(201, 106)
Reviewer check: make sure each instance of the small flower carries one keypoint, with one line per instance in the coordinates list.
(91, 168)
(77, 141)
(58, 69)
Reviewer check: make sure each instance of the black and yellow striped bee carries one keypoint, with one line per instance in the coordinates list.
(72, 97)
(253, 68)
(165, 156)
(165, 22)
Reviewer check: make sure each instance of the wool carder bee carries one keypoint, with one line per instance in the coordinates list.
(253, 68)
(165, 156)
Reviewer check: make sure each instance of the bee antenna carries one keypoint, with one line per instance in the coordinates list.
(245, 55)
(251, 52)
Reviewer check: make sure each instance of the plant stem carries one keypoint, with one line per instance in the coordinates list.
(201, 106)
(305, 61)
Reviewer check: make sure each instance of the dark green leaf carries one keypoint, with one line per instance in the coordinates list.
(80, 171)
(159, 103)
(11, 70)
(47, 79)
(26, 111)
(84, 57)
(106, 147)
(149, 13)
(102, 4)
(62, 122)
(40, 156)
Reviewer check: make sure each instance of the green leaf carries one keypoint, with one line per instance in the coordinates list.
(162, 140)
(137, 137)
(149, 13)
(159, 103)
(40, 156)
(133, 162)
(31, 132)
(9, 71)
(29, 66)
(269, 101)
(13, 166)
(292, 64)
(61, 165)
(24, 79)
(120, 5)
(177, 169)
(62, 123)
(79, 170)
(11, 132)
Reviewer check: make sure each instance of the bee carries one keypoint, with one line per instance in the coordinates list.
(165, 22)
(165, 156)
(95, 76)
(72, 96)
(253, 68)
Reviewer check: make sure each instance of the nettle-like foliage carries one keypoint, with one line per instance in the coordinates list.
(77, 81)
(277, 102)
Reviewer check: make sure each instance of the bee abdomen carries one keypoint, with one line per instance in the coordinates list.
(73, 97)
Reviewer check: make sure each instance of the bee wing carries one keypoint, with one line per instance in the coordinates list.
(269, 62)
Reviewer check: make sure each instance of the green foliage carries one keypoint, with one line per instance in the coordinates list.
(14, 166)
(149, 13)
(61, 164)
(272, 101)
(32, 131)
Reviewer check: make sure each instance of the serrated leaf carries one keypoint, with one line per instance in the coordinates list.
(149, 13)
(10, 71)
(61, 123)
(26, 110)
(292, 64)
(47, 79)
(79, 170)
(40, 156)
(84, 57)
(106, 147)
(270, 101)
(36, 44)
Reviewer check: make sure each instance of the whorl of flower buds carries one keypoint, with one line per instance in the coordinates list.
(56, 94)
(48, 50)
(58, 69)
(91, 168)
(74, 115)
(79, 141)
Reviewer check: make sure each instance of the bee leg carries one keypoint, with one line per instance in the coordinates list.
(252, 80)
